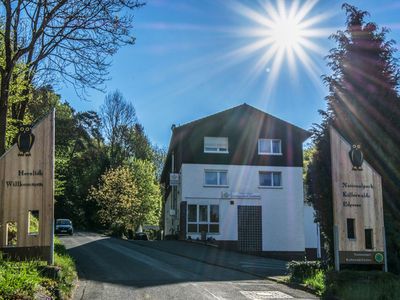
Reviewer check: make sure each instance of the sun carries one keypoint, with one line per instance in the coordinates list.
(282, 35)
(286, 33)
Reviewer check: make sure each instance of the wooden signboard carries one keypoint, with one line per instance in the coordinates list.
(27, 193)
(357, 206)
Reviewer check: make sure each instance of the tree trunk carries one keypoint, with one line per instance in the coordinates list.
(4, 94)
(4, 84)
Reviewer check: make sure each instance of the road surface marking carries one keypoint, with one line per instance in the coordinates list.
(261, 295)
(203, 288)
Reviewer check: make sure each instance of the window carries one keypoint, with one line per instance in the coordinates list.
(368, 239)
(269, 146)
(351, 234)
(33, 222)
(203, 218)
(11, 234)
(212, 177)
(214, 218)
(270, 179)
(215, 144)
(192, 218)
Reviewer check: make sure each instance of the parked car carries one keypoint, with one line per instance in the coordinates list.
(141, 236)
(64, 226)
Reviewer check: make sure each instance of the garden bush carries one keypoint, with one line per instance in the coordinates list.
(301, 270)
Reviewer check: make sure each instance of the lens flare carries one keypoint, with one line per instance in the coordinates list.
(284, 35)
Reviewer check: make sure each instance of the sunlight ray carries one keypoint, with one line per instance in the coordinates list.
(250, 14)
(292, 61)
(285, 32)
(249, 49)
(271, 12)
(293, 9)
(311, 67)
(310, 45)
(275, 69)
(315, 20)
(304, 10)
(318, 32)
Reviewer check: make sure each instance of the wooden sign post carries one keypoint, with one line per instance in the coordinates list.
(359, 233)
(27, 194)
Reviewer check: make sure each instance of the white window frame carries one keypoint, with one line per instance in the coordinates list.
(208, 222)
(270, 141)
(272, 186)
(218, 178)
(217, 146)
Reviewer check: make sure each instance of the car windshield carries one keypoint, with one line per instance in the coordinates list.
(63, 222)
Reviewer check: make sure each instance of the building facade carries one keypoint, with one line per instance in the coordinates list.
(238, 179)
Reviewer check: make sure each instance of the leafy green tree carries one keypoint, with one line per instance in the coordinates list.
(141, 147)
(148, 192)
(116, 196)
(308, 154)
(364, 105)
(80, 160)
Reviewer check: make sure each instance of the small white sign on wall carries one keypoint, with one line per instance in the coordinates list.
(173, 179)
(230, 195)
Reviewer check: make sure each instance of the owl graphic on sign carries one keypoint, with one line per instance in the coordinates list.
(25, 140)
(356, 157)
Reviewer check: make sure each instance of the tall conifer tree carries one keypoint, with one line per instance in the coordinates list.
(364, 105)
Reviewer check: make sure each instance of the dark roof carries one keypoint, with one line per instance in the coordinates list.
(235, 114)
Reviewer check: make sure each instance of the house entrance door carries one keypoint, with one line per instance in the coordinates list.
(249, 228)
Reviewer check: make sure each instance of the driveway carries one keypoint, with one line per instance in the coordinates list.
(110, 268)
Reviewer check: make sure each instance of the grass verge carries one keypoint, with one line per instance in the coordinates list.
(346, 284)
(32, 279)
(362, 285)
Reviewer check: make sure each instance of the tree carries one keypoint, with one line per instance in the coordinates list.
(80, 159)
(119, 118)
(141, 147)
(59, 40)
(363, 104)
(148, 192)
(116, 196)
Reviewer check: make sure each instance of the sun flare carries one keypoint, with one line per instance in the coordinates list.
(286, 33)
(283, 35)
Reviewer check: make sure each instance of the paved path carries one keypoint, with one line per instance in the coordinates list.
(115, 269)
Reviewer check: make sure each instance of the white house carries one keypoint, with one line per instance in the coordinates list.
(240, 182)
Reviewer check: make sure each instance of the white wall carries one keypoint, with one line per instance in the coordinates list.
(167, 216)
(310, 227)
(282, 208)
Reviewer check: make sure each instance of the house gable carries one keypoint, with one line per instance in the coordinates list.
(243, 125)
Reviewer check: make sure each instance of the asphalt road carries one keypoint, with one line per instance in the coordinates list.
(115, 269)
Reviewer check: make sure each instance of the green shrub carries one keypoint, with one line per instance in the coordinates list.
(301, 270)
(316, 282)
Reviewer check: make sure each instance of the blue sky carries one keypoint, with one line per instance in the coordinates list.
(193, 58)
